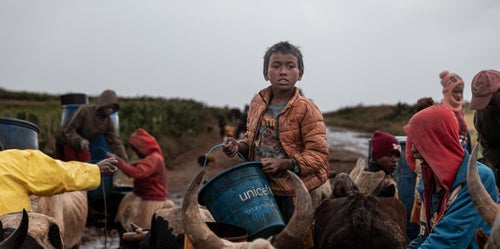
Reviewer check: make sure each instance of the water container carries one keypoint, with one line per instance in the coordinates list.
(241, 196)
(18, 134)
(74, 98)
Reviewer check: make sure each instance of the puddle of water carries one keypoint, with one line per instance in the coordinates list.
(345, 139)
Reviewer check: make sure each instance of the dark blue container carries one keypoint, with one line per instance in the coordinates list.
(406, 180)
(18, 134)
(74, 98)
(241, 196)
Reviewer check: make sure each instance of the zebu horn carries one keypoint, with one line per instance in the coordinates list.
(18, 236)
(195, 228)
(480, 197)
(293, 235)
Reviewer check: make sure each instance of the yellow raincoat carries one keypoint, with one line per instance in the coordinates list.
(27, 172)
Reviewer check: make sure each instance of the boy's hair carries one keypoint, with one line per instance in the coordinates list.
(283, 47)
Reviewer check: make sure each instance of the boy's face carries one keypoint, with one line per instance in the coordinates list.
(283, 71)
(389, 162)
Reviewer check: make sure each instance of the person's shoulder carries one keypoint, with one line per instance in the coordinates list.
(484, 171)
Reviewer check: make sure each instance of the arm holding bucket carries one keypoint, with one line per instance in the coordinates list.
(269, 165)
(231, 147)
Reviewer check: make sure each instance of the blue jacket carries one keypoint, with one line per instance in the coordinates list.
(458, 226)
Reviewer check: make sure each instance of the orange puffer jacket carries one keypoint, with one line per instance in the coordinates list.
(302, 133)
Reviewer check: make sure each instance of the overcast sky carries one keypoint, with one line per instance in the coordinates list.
(365, 52)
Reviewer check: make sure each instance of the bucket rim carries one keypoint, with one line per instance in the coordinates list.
(19, 122)
(224, 172)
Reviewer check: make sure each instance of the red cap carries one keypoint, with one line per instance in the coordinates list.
(484, 84)
(383, 144)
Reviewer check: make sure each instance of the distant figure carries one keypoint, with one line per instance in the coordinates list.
(376, 177)
(222, 127)
(150, 182)
(453, 96)
(486, 101)
(242, 123)
(87, 123)
(422, 103)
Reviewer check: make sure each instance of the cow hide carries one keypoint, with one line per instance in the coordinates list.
(43, 231)
(70, 210)
(352, 220)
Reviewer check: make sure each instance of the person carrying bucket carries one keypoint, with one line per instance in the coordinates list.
(87, 123)
(286, 131)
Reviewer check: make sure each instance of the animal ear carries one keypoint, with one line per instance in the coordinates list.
(55, 236)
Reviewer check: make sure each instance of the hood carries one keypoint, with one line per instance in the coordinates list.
(434, 132)
(144, 142)
(108, 97)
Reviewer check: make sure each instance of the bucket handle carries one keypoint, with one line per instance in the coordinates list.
(216, 147)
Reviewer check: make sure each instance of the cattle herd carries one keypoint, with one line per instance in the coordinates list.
(348, 219)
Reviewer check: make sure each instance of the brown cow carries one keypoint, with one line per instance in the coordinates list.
(352, 220)
(70, 211)
(292, 236)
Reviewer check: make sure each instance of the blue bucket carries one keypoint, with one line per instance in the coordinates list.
(18, 134)
(241, 196)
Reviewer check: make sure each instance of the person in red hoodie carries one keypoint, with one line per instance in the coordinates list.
(150, 182)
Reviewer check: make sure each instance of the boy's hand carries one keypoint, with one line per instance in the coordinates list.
(230, 147)
(274, 166)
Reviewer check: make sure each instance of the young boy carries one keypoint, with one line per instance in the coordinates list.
(285, 131)
(150, 182)
(376, 177)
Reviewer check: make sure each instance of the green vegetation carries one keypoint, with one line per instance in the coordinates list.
(369, 118)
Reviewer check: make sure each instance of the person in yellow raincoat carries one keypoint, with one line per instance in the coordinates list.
(31, 172)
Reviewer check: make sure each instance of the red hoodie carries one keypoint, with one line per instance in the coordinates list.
(434, 132)
(150, 180)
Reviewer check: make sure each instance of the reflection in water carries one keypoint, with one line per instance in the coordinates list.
(345, 139)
